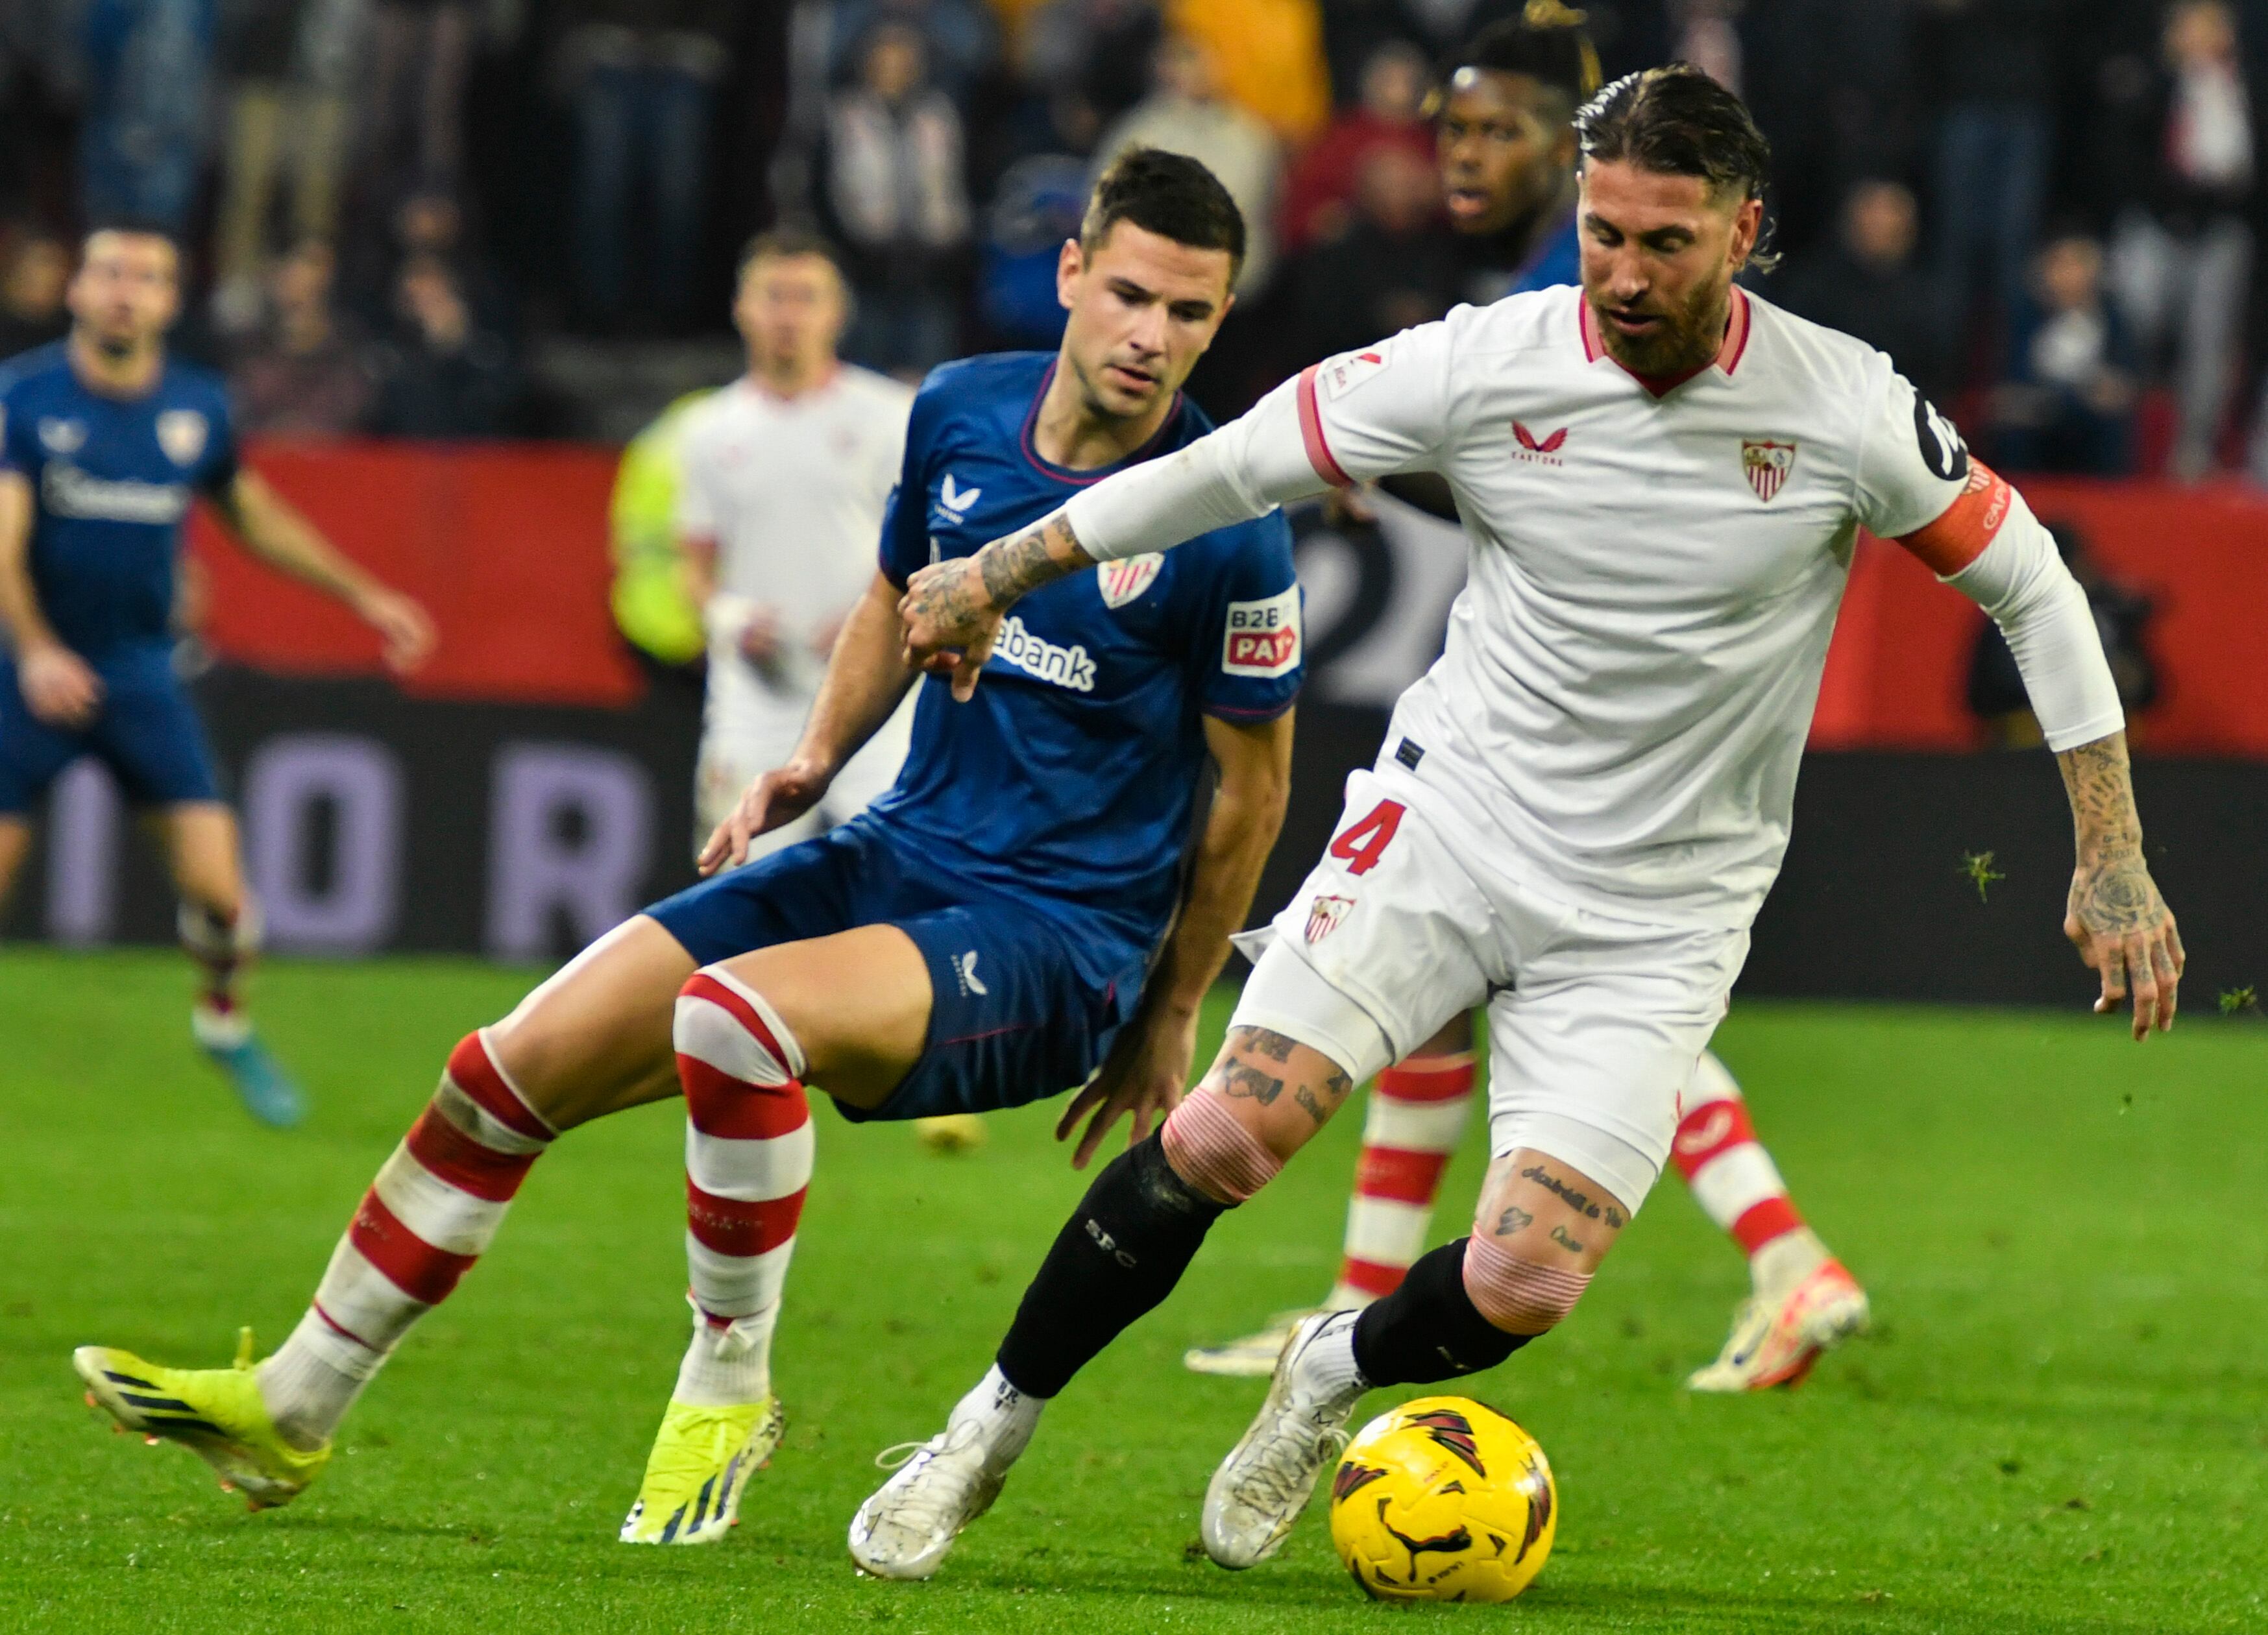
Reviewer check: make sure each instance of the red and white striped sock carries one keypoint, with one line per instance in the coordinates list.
(1417, 1117)
(431, 1213)
(1736, 1184)
(748, 1163)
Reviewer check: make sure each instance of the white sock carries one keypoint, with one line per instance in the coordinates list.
(1326, 1367)
(1009, 1416)
(311, 1382)
(1787, 1261)
(726, 1366)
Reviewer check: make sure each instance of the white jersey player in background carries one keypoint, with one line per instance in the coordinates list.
(786, 472)
(1576, 812)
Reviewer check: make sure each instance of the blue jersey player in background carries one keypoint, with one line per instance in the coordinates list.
(1034, 907)
(105, 444)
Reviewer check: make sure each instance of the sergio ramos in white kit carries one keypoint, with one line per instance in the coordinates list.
(785, 473)
(1575, 814)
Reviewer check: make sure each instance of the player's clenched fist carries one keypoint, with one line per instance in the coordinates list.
(777, 797)
(60, 688)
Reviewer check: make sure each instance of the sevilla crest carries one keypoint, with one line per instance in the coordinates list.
(1324, 915)
(1767, 464)
(1122, 581)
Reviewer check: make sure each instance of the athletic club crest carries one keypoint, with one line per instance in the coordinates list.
(1123, 580)
(1324, 915)
(182, 434)
(1767, 464)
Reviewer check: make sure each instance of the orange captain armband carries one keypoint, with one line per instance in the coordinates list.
(1959, 537)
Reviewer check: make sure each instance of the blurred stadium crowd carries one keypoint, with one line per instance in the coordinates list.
(447, 218)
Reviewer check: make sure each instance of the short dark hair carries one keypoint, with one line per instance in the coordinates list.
(779, 243)
(1678, 122)
(1170, 195)
(1547, 43)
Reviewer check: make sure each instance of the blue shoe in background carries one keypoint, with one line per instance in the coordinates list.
(261, 1084)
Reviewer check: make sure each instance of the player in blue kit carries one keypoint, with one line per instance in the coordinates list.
(106, 442)
(1025, 912)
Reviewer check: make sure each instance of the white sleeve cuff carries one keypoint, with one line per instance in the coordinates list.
(1244, 470)
(2022, 583)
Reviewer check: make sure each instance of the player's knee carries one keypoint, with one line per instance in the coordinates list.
(730, 1041)
(1210, 1148)
(1518, 1296)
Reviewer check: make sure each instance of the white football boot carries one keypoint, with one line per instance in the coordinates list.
(1265, 1481)
(907, 1525)
(1777, 1338)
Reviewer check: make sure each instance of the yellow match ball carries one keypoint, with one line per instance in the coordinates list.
(1444, 1500)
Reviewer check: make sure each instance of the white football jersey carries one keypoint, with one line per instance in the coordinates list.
(791, 491)
(1631, 671)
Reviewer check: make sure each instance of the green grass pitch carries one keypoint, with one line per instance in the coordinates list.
(2062, 1425)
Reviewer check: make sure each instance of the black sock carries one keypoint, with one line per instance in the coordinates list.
(1120, 1253)
(1429, 1328)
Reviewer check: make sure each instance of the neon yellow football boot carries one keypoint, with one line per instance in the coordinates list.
(702, 1459)
(216, 1413)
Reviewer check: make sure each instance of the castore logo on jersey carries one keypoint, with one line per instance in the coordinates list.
(1540, 451)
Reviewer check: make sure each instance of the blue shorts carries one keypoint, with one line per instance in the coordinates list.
(1012, 1019)
(145, 731)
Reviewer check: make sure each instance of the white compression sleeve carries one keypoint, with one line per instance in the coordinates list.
(1244, 470)
(2041, 609)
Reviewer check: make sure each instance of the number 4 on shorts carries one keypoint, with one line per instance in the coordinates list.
(1361, 846)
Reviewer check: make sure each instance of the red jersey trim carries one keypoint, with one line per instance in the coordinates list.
(1729, 351)
(1311, 433)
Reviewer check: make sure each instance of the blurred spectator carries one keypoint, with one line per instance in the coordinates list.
(412, 115)
(287, 63)
(1991, 63)
(642, 76)
(1038, 205)
(429, 224)
(33, 277)
(142, 132)
(894, 186)
(1186, 114)
(1703, 32)
(1865, 284)
(1393, 267)
(1268, 58)
(1098, 50)
(1355, 31)
(2122, 619)
(442, 375)
(1317, 197)
(2182, 251)
(959, 38)
(305, 373)
(2069, 402)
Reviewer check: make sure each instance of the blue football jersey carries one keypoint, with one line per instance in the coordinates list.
(1557, 261)
(112, 479)
(1068, 779)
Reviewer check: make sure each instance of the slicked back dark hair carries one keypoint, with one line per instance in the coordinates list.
(1678, 122)
(1170, 195)
(1548, 45)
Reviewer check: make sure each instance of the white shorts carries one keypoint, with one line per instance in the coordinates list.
(1594, 1023)
(736, 753)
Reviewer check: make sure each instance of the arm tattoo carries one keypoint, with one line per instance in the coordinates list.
(2111, 894)
(1616, 1218)
(1013, 567)
(1572, 1245)
(1576, 1199)
(1250, 1083)
(1514, 1219)
(1260, 1041)
(1313, 1108)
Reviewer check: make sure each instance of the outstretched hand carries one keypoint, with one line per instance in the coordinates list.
(1144, 1075)
(779, 798)
(2125, 933)
(950, 622)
